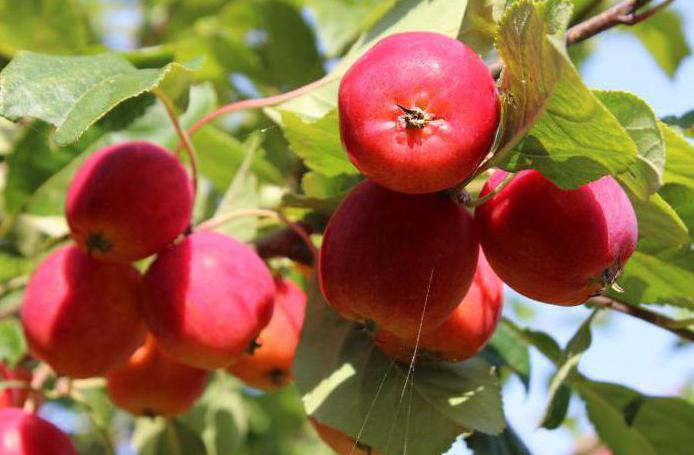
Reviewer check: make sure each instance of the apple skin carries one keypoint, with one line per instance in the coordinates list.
(14, 396)
(466, 330)
(432, 72)
(552, 245)
(128, 201)
(152, 383)
(82, 316)
(269, 366)
(207, 299)
(22, 433)
(385, 255)
(340, 442)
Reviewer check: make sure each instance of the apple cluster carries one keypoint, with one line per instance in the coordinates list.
(206, 301)
(418, 115)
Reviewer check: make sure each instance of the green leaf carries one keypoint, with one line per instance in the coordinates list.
(660, 226)
(679, 166)
(665, 277)
(320, 186)
(12, 343)
(73, 92)
(644, 177)
(340, 22)
(559, 394)
(219, 417)
(350, 385)
(684, 123)
(631, 423)
(663, 36)
(14, 266)
(680, 198)
(161, 436)
(53, 26)
(242, 194)
(507, 443)
(533, 68)
(480, 23)
(573, 138)
(318, 143)
(32, 162)
(540, 340)
(514, 354)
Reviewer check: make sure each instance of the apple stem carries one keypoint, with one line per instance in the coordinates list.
(182, 134)
(217, 221)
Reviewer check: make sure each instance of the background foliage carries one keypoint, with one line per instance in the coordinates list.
(70, 94)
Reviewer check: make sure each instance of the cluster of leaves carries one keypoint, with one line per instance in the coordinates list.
(201, 54)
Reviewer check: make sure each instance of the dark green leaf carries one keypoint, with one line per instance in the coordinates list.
(559, 394)
(684, 123)
(507, 443)
(12, 344)
(516, 355)
(350, 385)
(73, 92)
(630, 423)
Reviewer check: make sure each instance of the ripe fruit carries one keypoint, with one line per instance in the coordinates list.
(152, 383)
(340, 442)
(268, 366)
(388, 257)
(81, 316)
(14, 396)
(418, 112)
(465, 331)
(22, 433)
(552, 245)
(207, 299)
(128, 201)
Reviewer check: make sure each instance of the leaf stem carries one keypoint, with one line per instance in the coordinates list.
(644, 314)
(183, 136)
(298, 229)
(481, 200)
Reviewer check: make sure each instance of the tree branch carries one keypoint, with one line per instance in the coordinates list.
(623, 13)
(657, 319)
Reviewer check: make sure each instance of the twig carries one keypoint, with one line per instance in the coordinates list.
(258, 102)
(182, 135)
(215, 222)
(644, 314)
(623, 13)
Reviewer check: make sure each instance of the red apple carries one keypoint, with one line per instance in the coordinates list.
(397, 261)
(268, 366)
(152, 383)
(82, 316)
(22, 433)
(207, 299)
(552, 245)
(128, 201)
(418, 112)
(466, 330)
